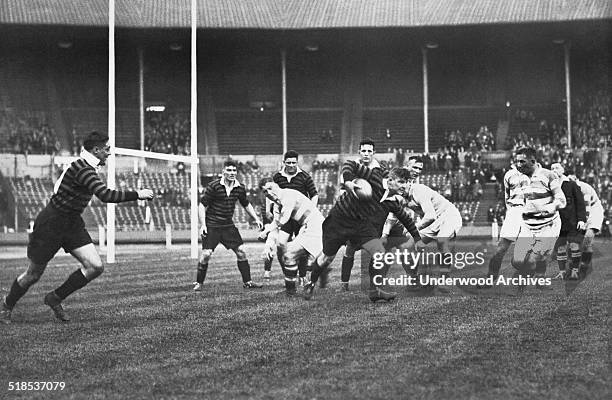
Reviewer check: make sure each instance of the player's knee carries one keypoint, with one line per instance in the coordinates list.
(240, 254)
(95, 268)
(29, 278)
(205, 256)
(573, 247)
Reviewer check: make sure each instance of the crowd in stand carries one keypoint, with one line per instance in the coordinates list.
(28, 135)
(167, 133)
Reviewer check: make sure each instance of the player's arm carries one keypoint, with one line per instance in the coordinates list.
(248, 207)
(429, 212)
(559, 200)
(311, 189)
(405, 219)
(389, 223)
(202, 218)
(89, 178)
(580, 206)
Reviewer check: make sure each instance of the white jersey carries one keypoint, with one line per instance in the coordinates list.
(590, 195)
(423, 200)
(594, 208)
(294, 205)
(514, 185)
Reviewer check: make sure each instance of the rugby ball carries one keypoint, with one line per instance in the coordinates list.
(363, 189)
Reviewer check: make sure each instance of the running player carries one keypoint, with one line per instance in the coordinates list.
(60, 225)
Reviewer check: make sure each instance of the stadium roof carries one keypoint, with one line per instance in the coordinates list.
(301, 14)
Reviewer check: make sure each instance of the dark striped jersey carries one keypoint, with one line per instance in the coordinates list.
(302, 182)
(575, 210)
(220, 202)
(348, 206)
(78, 184)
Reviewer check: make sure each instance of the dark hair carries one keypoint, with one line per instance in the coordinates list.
(265, 180)
(401, 173)
(367, 140)
(416, 158)
(528, 152)
(94, 139)
(290, 154)
(568, 170)
(230, 163)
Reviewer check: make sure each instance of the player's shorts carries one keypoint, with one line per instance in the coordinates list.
(540, 242)
(337, 231)
(310, 237)
(445, 226)
(512, 223)
(596, 217)
(573, 236)
(292, 227)
(228, 236)
(54, 230)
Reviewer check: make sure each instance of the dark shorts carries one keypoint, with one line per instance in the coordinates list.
(337, 231)
(228, 236)
(292, 227)
(573, 236)
(53, 231)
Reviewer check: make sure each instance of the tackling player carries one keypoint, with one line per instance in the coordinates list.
(297, 210)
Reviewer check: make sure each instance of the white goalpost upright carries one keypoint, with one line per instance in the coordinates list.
(192, 159)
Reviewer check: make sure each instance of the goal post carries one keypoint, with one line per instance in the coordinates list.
(192, 159)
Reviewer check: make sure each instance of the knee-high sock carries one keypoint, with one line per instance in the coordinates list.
(347, 267)
(202, 269)
(376, 272)
(267, 264)
(302, 266)
(75, 281)
(316, 272)
(495, 264)
(562, 260)
(540, 267)
(15, 294)
(245, 270)
(586, 257)
(575, 258)
(290, 271)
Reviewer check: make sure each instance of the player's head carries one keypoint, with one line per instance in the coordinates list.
(525, 160)
(270, 189)
(398, 180)
(97, 144)
(366, 151)
(230, 170)
(290, 159)
(415, 166)
(557, 169)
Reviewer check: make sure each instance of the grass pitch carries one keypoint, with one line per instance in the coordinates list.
(140, 332)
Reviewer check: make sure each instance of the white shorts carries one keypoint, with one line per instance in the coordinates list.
(311, 236)
(445, 226)
(596, 217)
(512, 223)
(540, 242)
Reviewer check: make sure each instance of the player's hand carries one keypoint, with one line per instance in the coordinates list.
(350, 187)
(419, 245)
(260, 225)
(263, 235)
(145, 194)
(549, 208)
(384, 240)
(582, 226)
(203, 231)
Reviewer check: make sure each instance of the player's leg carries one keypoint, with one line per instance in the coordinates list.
(560, 253)
(348, 261)
(376, 274)
(587, 251)
(244, 268)
(19, 288)
(209, 243)
(294, 252)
